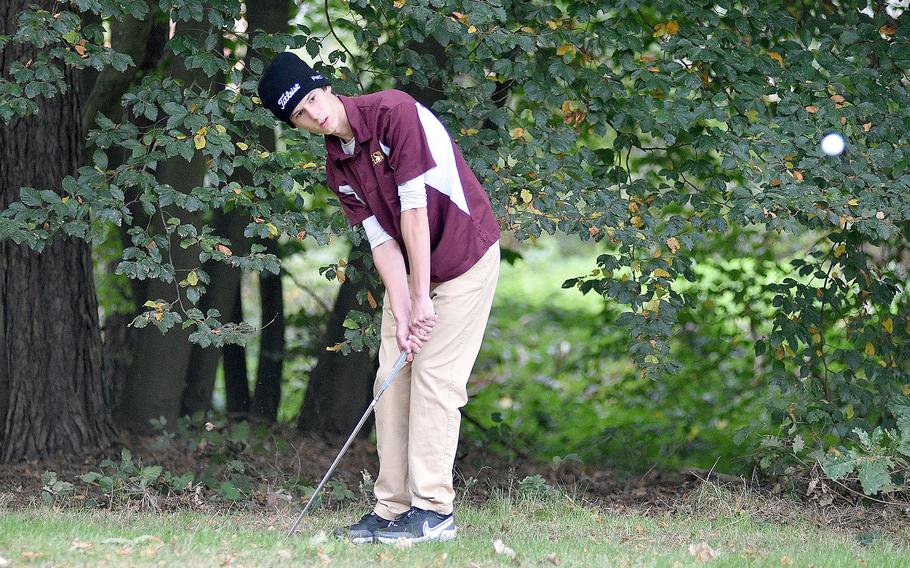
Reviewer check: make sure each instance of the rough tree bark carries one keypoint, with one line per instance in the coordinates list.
(53, 397)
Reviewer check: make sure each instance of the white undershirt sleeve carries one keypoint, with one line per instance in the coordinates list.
(375, 233)
(413, 193)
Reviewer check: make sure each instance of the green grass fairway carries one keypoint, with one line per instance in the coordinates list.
(555, 532)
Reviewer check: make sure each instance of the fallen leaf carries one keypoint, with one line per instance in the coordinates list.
(837, 98)
(887, 30)
(518, 133)
(80, 48)
(553, 559)
(565, 48)
(811, 109)
(404, 543)
(223, 250)
(776, 57)
(398, 3)
(786, 561)
(301, 235)
(80, 545)
(500, 548)
(798, 175)
(673, 244)
(867, 127)
(371, 300)
(242, 145)
(703, 551)
(661, 273)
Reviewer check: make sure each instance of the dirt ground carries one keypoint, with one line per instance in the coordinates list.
(479, 475)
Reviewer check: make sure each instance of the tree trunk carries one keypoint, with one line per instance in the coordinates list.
(221, 295)
(267, 395)
(53, 397)
(236, 380)
(340, 386)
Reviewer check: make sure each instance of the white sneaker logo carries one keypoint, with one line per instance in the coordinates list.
(437, 531)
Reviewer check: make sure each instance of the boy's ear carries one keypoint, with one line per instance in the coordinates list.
(327, 88)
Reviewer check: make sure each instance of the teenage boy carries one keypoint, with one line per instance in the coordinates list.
(435, 243)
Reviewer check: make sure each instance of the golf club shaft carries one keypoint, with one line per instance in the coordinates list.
(397, 367)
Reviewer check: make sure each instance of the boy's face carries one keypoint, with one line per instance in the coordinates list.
(317, 112)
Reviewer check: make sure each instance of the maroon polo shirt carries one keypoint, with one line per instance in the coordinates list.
(398, 139)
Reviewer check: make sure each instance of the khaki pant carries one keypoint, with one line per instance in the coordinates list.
(418, 417)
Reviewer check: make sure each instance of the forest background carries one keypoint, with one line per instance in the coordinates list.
(689, 280)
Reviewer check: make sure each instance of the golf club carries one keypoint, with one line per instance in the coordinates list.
(397, 367)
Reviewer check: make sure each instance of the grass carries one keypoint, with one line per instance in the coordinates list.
(542, 531)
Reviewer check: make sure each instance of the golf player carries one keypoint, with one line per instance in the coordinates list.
(435, 242)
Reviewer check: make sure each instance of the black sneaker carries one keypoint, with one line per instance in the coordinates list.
(362, 531)
(418, 525)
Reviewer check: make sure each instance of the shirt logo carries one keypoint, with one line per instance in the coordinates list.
(283, 100)
(376, 157)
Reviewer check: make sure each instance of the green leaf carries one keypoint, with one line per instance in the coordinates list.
(837, 467)
(874, 476)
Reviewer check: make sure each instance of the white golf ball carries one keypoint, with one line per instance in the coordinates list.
(833, 144)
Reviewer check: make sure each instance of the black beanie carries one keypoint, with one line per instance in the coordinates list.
(284, 82)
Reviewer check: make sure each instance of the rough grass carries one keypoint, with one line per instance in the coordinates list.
(721, 527)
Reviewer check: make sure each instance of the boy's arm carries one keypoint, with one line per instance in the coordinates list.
(415, 230)
(390, 264)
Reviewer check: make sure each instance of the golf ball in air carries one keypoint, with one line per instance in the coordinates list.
(833, 144)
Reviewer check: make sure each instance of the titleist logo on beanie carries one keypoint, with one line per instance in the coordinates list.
(283, 100)
(285, 82)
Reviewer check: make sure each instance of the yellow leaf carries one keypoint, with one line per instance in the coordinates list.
(849, 412)
(518, 133)
(552, 25)
(371, 300)
(460, 17)
(775, 182)
(308, 165)
(660, 29)
(342, 263)
(180, 137)
(526, 196)
(854, 202)
(839, 250)
(776, 57)
(661, 273)
(337, 346)
(564, 49)
(653, 305)
(888, 324)
(340, 276)
(469, 131)
(798, 175)
(242, 145)
(199, 141)
(636, 221)
(150, 304)
(528, 30)
(867, 127)
(273, 230)
(905, 389)
(408, 72)
(672, 27)
(816, 338)
(398, 4)
(220, 128)
(264, 155)
(472, 30)
(870, 349)
(192, 278)
(751, 115)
